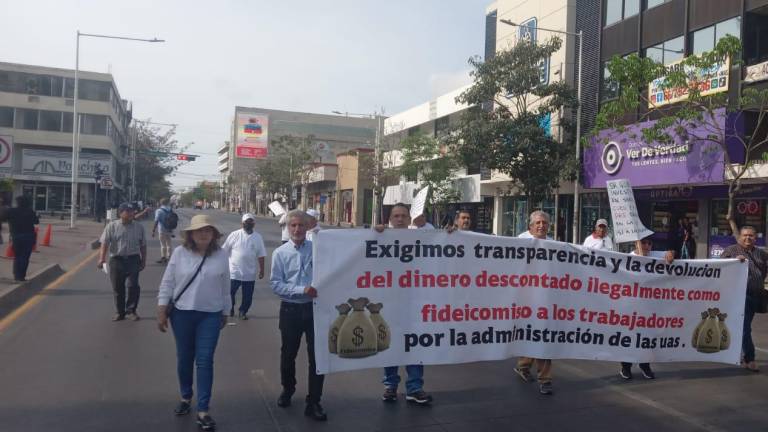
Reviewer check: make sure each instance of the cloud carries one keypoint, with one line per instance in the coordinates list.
(442, 83)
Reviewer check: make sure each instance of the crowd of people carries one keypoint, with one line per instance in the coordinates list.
(199, 286)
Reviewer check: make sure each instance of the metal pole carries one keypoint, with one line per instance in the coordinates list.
(576, 212)
(134, 133)
(75, 139)
(376, 173)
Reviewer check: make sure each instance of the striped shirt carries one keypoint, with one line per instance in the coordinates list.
(758, 266)
(123, 239)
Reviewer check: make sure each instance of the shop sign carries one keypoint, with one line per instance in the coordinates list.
(252, 140)
(53, 163)
(528, 31)
(709, 81)
(756, 73)
(688, 159)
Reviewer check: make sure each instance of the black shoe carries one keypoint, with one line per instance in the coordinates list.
(545, 388)
(315, 411)
(420, 397)
(626, 372)
(160, 261)
(118, 317)
(206, 423)
(647, 372)
(243, 316)
(284, 400)
(182, 408)
(390, 395)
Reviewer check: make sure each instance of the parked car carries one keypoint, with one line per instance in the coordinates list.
(198, 205)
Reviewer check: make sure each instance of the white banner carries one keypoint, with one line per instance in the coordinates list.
(627, 225)
(276, 208)
(423, 297)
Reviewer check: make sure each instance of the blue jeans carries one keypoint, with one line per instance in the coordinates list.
(413, 384)
(245, 304)
(196, 336)
(747, 346)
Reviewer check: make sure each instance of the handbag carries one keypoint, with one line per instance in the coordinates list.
(171, 305)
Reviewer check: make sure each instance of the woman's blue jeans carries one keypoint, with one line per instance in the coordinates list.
(196, 336)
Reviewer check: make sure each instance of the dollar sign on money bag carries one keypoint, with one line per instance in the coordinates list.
(333, 332)
(383, 334)
(725, 334)
(357, 335)
(709, 333)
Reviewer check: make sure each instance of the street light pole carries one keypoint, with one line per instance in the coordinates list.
(576, 204)
(76, 122)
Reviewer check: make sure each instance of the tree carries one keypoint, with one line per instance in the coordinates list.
(511, 137)
(155, 159)
(288, 164)
(698, 118)
(426, 161)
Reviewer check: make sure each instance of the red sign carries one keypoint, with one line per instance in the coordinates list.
(251, 152)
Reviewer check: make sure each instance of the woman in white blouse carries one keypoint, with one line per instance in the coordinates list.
(196, 281)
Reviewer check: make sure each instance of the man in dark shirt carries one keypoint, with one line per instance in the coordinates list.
(21, 223)
(745, 250)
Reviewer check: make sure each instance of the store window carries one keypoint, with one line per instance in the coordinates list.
(705, 39)
(747, 212)
(594, 206)
(26, 118)
(667, 52)
(617, 10)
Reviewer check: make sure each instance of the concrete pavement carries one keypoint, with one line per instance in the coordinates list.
(67, 367)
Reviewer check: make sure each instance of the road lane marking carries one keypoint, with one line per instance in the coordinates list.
(37, 298)
(666, 409)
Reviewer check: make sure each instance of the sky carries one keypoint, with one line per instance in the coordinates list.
(298, 55)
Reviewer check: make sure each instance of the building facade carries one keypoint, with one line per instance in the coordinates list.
(36, 136)
(688, 182)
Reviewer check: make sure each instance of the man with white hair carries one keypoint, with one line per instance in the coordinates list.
(246, 248)
(312, 227)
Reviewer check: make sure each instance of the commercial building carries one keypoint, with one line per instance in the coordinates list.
(689, 180)
(36, 135)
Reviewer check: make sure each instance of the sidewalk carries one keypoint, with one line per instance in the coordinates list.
(68, 248)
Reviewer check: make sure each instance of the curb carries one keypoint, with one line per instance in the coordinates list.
(22, 292)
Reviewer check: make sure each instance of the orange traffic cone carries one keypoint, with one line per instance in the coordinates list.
(34, 245)
(9, 251)
(47, 238)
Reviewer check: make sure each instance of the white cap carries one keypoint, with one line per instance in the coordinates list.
(601, 222)
(248, 216)
(313, 213)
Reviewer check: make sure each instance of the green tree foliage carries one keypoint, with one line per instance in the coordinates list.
(287, 165)
(679, 121)
(155, 159)
(509, 137)
(427, 161)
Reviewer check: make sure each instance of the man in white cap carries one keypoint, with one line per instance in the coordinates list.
(599, 238)
(312, 227)
(245, 247)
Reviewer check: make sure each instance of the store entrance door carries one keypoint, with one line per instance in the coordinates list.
(676, 226)
(39, 196)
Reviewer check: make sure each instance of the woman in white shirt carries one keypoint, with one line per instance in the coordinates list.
(200, 303)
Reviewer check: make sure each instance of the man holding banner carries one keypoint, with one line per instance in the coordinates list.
(400, 218)
(538, 226)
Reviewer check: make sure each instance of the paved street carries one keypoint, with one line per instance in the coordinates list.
(67, 367)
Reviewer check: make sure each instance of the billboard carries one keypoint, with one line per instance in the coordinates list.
(252, 140)
(709, 81)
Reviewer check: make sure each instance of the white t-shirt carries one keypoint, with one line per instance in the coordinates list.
(244, 250)
(286, 235)
(426, 225)
(593, 242)
(527, 234)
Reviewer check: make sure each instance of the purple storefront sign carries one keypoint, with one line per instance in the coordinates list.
(688, 160)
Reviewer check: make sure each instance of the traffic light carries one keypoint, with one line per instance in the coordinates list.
(186, 157)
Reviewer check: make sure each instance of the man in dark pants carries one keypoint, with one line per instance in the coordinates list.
(745, 250)
(125, 241)
(21, 222)
(291, 280)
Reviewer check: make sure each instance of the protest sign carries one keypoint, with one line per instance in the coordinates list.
(417, 208)
(276, 208)
(627, 226)
(439, 298)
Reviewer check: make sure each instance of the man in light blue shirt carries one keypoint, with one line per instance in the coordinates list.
(161, 226)
(291, 280)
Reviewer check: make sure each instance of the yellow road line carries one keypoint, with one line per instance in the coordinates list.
(37, 298)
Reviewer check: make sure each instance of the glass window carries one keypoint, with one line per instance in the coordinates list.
(666, 52)
(94, 90)
(655, 53)
(610, 88)
(613, 11)
(654, 3)
(93, 124)
(6, 117)
(728, 27)
(67, 122)
(748, 212)
(50, 121)
(705, 39)
(26, 118)
(57, 84)
(631, 7)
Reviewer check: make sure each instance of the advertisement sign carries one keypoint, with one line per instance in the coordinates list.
(624, 154)
(528, 31)
(429, 297)
(756, 73)
(252, 136)
(53, 163)
(627, 226)
(6, 152)
(708, 80)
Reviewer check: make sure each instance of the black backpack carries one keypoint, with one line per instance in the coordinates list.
(171, 220)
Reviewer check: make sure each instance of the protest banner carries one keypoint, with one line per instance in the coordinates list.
(439, 298)
(627, 226)
(419, 201)
(276, 208)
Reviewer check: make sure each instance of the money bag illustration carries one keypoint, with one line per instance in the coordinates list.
(382, 328)
(708, 340)
(725, 334)
(357, 335)
(333, 332)
(697, 330)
